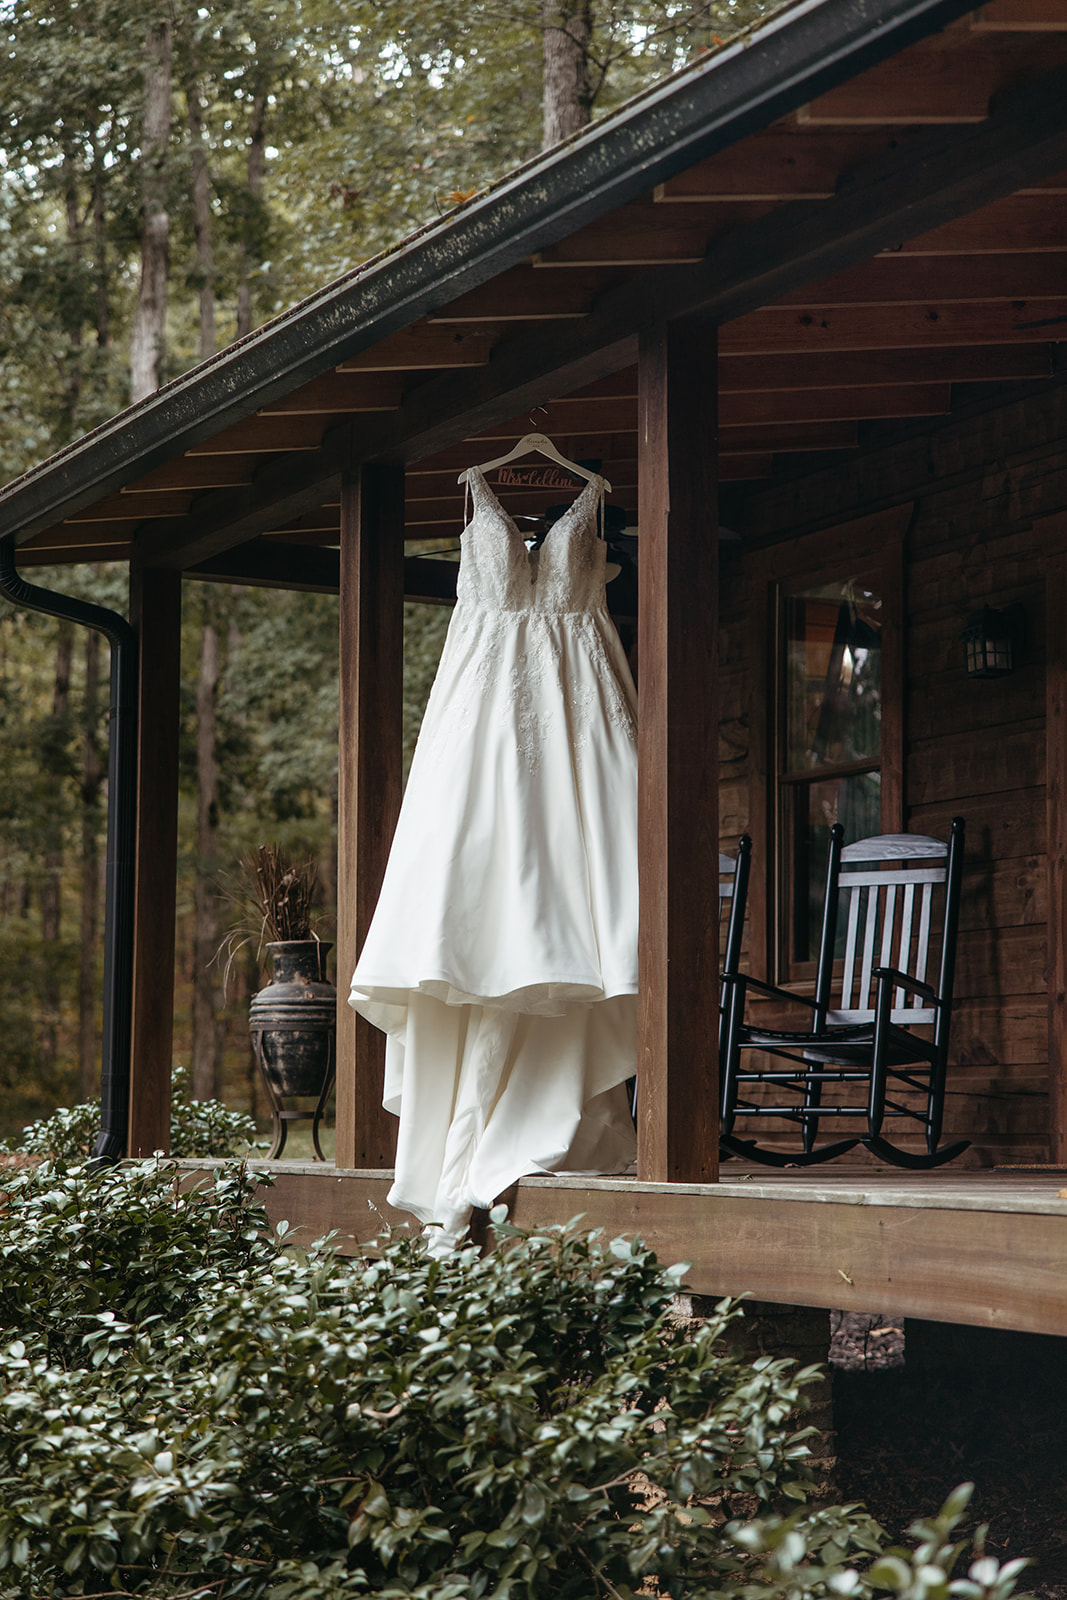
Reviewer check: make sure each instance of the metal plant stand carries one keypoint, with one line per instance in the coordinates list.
(293, 1027)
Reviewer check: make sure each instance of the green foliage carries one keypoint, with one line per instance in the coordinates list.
(81, 1247)
(197, 1128)
(186, 1407)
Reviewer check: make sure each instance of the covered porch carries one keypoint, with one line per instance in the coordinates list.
(801, 303)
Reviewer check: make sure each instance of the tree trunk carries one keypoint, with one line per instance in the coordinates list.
(91, 785)
(146, 338)
(568, 33)
(52, 887)
(206, 934)
(205, 261)
(101, 269)
(256, 155)
(72, 385)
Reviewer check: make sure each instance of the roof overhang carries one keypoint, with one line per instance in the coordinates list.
(473, 362)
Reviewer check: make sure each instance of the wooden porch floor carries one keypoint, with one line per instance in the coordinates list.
(987, 1248)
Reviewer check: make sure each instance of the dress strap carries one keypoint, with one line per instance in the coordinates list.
(469, 480)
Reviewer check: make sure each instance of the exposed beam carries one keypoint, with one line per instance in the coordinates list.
(263, 436)
(781, 164)
(1019, 223)
(284, 488)
(898, 279)
(199, 472)
(643, 234)
(424, 346)
(274, 564)
(339, 391)
(60, 555)
(814, 327)
(870, 368)
(1013, 16)
(525, 294)
(133, 507)
(940, 80)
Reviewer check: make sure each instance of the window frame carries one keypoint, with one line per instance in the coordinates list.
(871, 547)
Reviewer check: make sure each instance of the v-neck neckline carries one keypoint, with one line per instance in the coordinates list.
(512, 525)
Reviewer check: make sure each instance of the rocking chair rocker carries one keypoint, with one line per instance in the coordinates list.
(868, 1038)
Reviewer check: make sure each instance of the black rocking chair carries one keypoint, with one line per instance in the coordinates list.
(868, 1038)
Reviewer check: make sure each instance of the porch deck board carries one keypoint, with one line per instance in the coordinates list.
(987, 1248)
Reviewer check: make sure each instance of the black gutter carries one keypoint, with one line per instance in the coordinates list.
(121, 839)
(799, 53)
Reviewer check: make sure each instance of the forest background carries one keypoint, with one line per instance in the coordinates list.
(171, 178)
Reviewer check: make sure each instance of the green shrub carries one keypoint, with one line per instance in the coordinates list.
(188, 1408)
(197, 1128)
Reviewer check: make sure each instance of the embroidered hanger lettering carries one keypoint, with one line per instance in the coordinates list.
(535, 478)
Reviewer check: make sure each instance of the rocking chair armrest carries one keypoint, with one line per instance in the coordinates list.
(767, 988)
(901, 980)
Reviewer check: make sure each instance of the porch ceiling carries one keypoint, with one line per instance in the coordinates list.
(876, 218)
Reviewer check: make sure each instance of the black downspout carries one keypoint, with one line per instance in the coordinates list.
(121, 839)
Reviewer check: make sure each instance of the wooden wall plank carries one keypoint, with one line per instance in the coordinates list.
(678, 748)
(155, 611)
(1007, 824)
(1056, 802)
(974, 763)
(369, 782)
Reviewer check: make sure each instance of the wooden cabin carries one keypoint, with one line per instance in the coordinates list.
(803, 302)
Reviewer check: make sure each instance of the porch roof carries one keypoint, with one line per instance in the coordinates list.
(863, 202)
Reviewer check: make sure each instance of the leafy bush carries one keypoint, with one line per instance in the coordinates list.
(197, 1128)
(189, 1408)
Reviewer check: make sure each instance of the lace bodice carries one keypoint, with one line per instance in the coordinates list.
(566, 574)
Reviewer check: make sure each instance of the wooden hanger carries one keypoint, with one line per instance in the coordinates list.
(544, 446)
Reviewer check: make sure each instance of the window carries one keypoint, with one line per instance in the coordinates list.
(829, 755)
(824, 654)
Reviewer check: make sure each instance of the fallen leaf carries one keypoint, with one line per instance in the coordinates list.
(458, 195)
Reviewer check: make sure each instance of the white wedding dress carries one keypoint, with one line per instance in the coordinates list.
(502, 957)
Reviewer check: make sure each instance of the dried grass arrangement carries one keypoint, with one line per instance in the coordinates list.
(284, 893)
(274, 900)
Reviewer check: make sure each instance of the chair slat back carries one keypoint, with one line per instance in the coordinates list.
(733, 895)
(888, 885)
(727, 865)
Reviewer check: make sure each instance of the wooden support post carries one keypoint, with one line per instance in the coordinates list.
(155, 612)
(678, 755)
(369, 782)
(1056, 799)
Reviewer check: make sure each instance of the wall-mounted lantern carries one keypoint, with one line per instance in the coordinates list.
(987, 639)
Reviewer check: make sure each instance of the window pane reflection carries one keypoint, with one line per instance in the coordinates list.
(833, 676)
